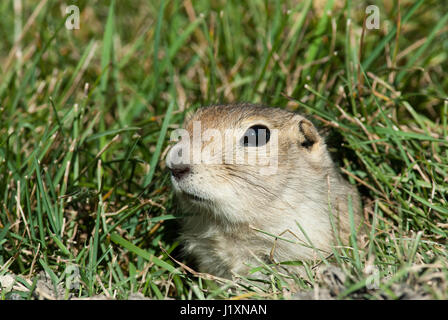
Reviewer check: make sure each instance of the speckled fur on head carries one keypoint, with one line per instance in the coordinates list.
(226, 204)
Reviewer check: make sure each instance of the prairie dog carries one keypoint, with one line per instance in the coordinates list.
(244, 174)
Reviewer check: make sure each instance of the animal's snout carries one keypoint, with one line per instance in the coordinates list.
(180, 170)
(176, 163)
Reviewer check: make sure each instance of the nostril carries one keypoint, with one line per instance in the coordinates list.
(180, 171)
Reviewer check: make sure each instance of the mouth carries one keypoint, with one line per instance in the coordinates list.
(194, 197)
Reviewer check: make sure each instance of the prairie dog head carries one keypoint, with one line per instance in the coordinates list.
(236, 162)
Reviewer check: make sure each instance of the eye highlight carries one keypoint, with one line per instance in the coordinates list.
(256, 136)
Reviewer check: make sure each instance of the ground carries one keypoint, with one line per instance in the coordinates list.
(86, 207)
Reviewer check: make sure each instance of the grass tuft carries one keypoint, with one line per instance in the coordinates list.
(85, 119)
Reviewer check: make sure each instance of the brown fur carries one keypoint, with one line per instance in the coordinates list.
(221, 232)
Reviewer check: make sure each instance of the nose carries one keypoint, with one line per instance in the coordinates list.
(176, 163)
(180, 170)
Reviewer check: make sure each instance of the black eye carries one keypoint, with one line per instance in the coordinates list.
(256, 136)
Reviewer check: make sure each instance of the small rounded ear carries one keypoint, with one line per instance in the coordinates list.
(308, 134)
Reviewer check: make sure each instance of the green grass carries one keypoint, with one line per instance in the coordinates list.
(85, 117)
